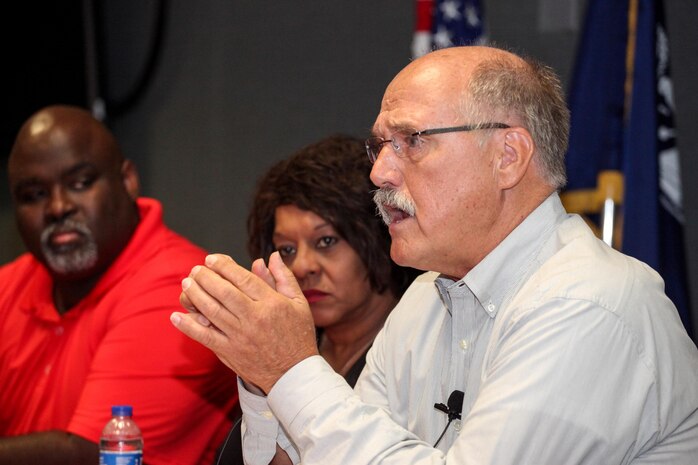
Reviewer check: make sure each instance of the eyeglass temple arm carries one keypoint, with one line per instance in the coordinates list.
(469, 127)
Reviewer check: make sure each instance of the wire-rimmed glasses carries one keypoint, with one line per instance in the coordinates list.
(406, 144)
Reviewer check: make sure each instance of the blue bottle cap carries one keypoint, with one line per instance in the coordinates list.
(121, 411)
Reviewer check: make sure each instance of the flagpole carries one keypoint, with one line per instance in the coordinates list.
(630, 57)
(609, 212)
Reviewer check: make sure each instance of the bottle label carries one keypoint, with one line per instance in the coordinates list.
(121, 458)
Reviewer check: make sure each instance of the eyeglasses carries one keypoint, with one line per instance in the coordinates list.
(407, 144)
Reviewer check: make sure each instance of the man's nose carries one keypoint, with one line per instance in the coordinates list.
(385, 171)
(59, 205)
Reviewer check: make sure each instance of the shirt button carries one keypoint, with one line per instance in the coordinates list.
(267, 414)
(58, 331)
(464, 344)
(490, 307)
(457, 425)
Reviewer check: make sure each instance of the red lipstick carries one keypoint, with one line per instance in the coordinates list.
(313, 295)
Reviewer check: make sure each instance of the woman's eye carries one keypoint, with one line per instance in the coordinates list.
(326, 241)
(285, 250)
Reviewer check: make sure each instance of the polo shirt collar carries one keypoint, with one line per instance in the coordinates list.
(40, 287)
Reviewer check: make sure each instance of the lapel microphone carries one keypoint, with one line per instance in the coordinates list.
(452, 409)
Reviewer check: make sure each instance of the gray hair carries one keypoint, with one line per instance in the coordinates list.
(532, 92)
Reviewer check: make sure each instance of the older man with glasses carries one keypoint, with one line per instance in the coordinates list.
(528, 342)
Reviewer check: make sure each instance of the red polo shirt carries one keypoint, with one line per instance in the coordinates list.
(116, 346)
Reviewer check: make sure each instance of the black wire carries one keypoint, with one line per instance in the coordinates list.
(443, 432)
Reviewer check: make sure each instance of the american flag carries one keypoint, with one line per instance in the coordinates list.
(445, 23)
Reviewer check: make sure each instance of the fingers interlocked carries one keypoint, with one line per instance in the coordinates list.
(243, 310)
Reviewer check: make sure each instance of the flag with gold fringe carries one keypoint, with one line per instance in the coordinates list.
(623, 162)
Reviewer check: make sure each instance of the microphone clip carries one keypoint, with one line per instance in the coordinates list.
(454, 407)
(453, 410)
(452, 414)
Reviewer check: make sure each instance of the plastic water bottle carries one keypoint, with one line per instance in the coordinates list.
(121, 442)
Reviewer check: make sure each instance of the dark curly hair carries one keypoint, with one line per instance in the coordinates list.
(331, 179)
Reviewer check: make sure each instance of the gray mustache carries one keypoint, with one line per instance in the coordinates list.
(393, 198)
(66, 225)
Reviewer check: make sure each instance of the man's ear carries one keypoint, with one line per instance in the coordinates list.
(515, 157)
(129, 176)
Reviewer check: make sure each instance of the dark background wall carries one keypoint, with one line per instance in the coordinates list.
(240, 84)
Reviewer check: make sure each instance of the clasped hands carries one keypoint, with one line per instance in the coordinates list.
(257, 322)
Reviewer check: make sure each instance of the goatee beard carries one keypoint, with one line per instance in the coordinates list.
(78, 258)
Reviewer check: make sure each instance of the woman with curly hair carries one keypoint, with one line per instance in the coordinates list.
(316, 209)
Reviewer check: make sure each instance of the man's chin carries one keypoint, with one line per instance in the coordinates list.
(399, 253)
(70, 266)
(63, 252)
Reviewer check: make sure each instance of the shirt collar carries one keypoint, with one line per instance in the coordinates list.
(40, 303)
(502, 272)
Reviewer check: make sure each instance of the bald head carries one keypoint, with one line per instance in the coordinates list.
(60, 128)
(454, 66)
(74, 193)
(445, 74)
(479, 84)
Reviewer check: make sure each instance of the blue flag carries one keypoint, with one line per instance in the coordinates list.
(622, 121)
